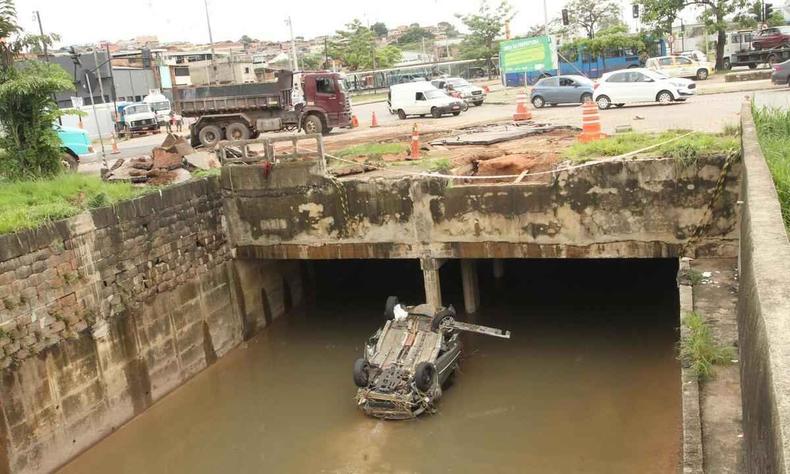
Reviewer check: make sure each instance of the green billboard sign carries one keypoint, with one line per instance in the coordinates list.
(527, 54)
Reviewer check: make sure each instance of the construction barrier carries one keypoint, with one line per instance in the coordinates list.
(415, 143)
(522, 113)
(373, 121)
(591, 123)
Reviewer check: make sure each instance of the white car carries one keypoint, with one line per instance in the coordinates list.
(640, 85)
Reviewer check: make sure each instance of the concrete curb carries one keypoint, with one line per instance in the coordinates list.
(692, 420)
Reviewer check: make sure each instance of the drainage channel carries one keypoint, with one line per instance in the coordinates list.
(588, 383)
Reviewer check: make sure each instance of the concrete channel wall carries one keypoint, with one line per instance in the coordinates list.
(633, 208)
(104, 313)
(764, 313)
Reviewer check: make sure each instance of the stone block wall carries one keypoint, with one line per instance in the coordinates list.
(104, 313)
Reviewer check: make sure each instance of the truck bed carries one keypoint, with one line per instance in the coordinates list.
(201, 100)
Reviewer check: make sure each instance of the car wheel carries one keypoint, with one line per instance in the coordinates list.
(424, 375)
(389, 307)
(402, 114)
(702, 74)
(69, 162)
(603, 102)
(586, 97)
(210, 135)
(361, 373)
(538, 102)
(435, 113)
(312, 124)
(440, 318)
(456, 114)
(464, 107)
(665, 97)
(237, 131)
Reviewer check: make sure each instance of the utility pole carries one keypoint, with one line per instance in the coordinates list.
(98, 70)
(545, 18)
(46, 56)
(293, 44)
(210, 40)
(112, 81)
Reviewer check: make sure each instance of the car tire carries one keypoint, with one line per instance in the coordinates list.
(440, 317)
(702, 74)
(210, 135)
(312, 124)
(456, 114)
(465, 107)
(665, 98)
(402, 114)
(435, 113)
(237, 131)
(424, 375)
(69, 162)
(478, 104)
(538, 102)
(389, 307)
(585, 97)
(361, 373)
(603, 102)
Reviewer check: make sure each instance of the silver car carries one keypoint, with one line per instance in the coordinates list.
(568, 89)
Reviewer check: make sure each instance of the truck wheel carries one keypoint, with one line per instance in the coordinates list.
(210, 135)
(69, 162)
(312, 124)
(361, 368)
(423, 376)
(237, 131)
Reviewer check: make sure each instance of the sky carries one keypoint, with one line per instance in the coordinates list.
(91, 21)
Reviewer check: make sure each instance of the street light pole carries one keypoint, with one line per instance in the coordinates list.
(545, 18)
(210, 40)
(293, 45)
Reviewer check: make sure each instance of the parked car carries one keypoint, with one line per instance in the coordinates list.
(781, 74)
(75, 145)
(460, 88)
(680, 66)
(569, 89)
(406, 363)
(769, 38)
(695, 55)
(421, 98)
(640, 85)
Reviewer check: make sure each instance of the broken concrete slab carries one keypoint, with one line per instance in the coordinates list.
(497, 134)
(164, 159)
(204, 160)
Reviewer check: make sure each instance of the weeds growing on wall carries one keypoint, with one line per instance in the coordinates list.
(773, 132)
(699, 350)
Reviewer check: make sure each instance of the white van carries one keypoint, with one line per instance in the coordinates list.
(421, 98)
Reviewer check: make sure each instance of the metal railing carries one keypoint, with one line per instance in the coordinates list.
(251, 151)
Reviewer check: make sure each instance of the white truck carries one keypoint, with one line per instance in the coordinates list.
(159, 104)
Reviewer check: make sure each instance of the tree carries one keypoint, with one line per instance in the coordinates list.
(749, 18)
(593, 15)
(312, 62)
(380, 29)
(665, 11)
(485, 27)
(30, 147)
(449, 29)
(414, 34)
(356, 48)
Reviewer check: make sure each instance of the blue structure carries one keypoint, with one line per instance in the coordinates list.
(584, 64)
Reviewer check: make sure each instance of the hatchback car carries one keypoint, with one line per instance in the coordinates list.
(781, 74)
(561, 90)
(772, 38)
(640, 85)
(679, 66)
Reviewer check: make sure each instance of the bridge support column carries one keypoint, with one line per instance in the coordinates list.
(499, 268)
(471, 288)
(433, 285)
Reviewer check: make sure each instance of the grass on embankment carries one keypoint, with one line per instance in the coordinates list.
(699, 350)
(28, 204)
(685, 150)
(773, 132)
(372, 151)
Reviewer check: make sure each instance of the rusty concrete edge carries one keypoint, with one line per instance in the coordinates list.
(765, 299)
(689, 387)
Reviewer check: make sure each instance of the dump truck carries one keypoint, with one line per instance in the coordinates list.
(315, 102)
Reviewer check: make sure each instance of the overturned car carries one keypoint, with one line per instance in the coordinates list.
(408, 361)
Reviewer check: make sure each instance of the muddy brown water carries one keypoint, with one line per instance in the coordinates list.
(588, 383)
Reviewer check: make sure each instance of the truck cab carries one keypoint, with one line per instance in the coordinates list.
(327, 99)
(160, 105)
(136, 117)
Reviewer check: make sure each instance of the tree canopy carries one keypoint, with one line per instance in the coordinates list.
(414, 34)
(593, 15)
(485, 27)
(356, 48)
(380, 29)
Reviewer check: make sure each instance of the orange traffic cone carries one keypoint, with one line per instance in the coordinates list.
(373, 121)
(114, 142)
(486, 89)
(354, 121)
(591, 123)
(415, 144)
(522, 113)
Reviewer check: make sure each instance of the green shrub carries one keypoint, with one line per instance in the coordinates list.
(773, 132)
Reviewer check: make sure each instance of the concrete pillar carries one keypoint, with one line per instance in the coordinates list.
(499, 268)
(433, 286)
(469, 283)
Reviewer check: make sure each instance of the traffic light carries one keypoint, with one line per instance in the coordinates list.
(635, 10)
(565, 19)
(75, 57)
(768, 9)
